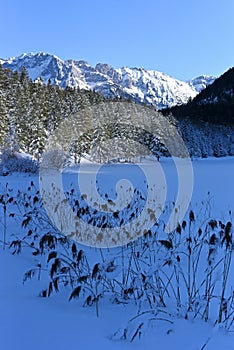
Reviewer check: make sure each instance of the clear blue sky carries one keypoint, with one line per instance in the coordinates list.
(183, 38)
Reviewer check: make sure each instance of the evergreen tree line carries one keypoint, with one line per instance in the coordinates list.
(204, 139)
(31, 111)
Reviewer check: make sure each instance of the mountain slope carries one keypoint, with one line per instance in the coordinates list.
(137, 84)
(207, 122)
(214, 104)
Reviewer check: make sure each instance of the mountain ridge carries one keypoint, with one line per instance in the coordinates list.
(137, 84)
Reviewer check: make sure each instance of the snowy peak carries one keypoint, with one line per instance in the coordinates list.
(201, 82)
(38, 65)
(137, 84)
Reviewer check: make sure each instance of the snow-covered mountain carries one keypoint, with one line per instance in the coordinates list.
(201, 82)
(138, 84)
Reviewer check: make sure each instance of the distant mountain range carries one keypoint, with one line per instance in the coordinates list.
(30, 111)
(136, 84)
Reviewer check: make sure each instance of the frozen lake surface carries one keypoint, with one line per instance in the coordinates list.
(28, 322)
